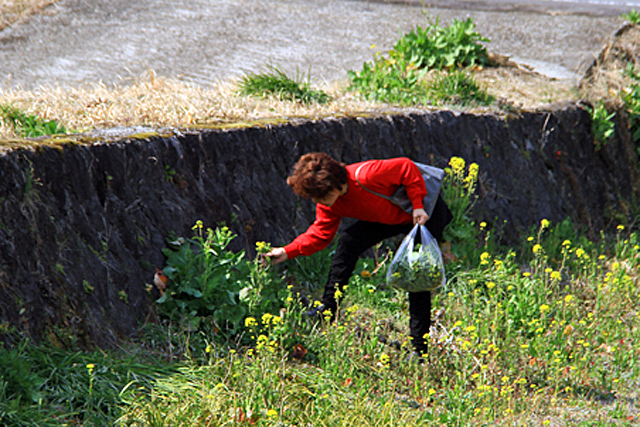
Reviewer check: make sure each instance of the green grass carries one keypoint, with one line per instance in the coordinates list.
(275, 82)
(28, 125)
(543, 334)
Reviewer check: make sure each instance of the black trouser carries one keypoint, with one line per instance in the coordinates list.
(362, 235)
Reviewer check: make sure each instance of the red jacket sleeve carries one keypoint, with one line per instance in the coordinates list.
(318, 236)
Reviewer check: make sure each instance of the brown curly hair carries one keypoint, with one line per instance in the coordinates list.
(315, 175)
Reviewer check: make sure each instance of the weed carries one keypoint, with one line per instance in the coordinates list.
(86, 286)
(399, 78)
(458, 188)
(209, 282)
(458, 88)
(28, 125)
(455, 46)
(275, 82)
(122, 294)
(632, 16)
(169, 173)
(602, 125)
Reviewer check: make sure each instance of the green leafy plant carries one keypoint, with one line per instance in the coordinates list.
(275, 82)
(457, 45)
(28, 125)
(602, 125)
(208, 282)
(633, 17)
(400, 78)
(392, 80)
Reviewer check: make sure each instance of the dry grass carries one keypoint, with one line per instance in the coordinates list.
(12, 11)
(606, 79)
(165, 102)
(162, 102)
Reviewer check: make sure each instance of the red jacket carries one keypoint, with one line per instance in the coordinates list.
(381, 176)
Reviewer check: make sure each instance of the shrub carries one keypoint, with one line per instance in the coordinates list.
(399, 78)
(455, 46)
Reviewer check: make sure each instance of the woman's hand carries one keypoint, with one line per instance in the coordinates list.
(420, 216)
(277, 255)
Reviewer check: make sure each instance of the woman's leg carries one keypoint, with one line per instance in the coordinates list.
(420, 302)
(419, 320)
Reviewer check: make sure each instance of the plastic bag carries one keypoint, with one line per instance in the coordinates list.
(417, 267)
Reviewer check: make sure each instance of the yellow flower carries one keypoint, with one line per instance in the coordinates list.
(272, 413)
(338, 294)
(431, 392)
(620, 227)
(555, 275)
(544, 308)
(544, 223)
(579, 252)
(208, 349)
(526, 274)
(457, 165)
(384, 359)
(250, 322)
(536, 248)
(266, 318)
(484, 258)
(524, 346)
(530, 239)
(483, 224)
(568, 298)
(198, 225)
(90, 366)
(566, 243)
(548, 270)
(491, 285)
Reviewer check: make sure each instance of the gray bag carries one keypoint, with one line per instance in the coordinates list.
(432, 176)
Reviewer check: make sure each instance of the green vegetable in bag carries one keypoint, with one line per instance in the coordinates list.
(417, 267)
